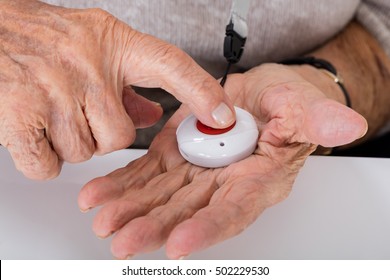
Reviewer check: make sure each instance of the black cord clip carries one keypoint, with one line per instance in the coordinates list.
(233, 45)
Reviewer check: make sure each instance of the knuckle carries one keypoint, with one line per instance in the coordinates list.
(31, 154)
(100, 14)
(81, 154)
(81, 157)
(164, 55)
(168, 51)
(72, 145)
(97, 22)
(114, 143)
(201, 90)
(38, 168)
(171, 56)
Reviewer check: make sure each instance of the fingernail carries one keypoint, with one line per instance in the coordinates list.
(365, 129)
(102, 237)
(182, 257)
(128, 257)
(85, 210)
(223, 115)
(157, 104)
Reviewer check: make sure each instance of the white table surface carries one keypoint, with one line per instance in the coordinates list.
(339, 209)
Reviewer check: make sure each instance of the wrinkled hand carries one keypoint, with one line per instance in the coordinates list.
(64, 84)
(160, 198)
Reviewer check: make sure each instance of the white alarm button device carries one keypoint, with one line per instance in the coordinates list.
(213, 148)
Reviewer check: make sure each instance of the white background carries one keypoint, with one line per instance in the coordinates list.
(339, 209)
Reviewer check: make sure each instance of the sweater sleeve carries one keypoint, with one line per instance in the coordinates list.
(374, 15)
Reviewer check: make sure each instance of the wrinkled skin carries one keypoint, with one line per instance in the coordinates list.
(65, 81)
(160, 198)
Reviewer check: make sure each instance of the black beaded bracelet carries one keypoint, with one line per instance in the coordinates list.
(324, 65)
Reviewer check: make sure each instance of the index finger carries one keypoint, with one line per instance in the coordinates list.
(150, 62)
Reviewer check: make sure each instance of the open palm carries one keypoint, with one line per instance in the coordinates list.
(162, 199)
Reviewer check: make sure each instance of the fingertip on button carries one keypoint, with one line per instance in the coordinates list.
(213, 131)
(208, 147)
(223, 115)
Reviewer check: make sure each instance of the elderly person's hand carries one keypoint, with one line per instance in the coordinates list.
(160, 198)
(65, 79)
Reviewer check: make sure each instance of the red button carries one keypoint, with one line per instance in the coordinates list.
(212, 131)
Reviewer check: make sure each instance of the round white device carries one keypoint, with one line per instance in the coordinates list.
(212, 148)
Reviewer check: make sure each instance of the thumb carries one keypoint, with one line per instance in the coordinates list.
(322, 122)
(142, 111)
(150, 62)
(331, 124)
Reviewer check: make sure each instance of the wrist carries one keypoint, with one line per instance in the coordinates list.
(321, 80)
